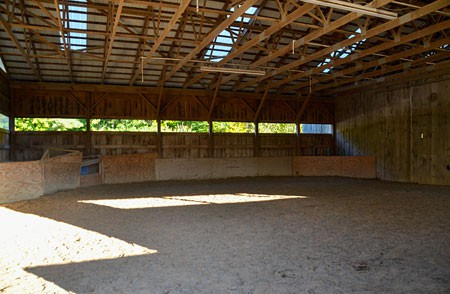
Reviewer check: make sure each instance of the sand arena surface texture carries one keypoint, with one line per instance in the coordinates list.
(249, 235)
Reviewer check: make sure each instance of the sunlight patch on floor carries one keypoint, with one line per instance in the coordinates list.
(170, 201)
(28, 240)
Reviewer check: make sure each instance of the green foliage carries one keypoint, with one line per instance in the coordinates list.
(276, 128)
(184, 126)
(4, 122)
(134, 125)
(123, 125)
(233, 127)
(49, 124)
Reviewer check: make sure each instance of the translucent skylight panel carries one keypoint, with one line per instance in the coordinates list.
(342, 52)
(77, 20)
(217, 52)
(2, 66)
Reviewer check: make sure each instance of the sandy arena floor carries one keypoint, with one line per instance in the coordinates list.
(252, 235)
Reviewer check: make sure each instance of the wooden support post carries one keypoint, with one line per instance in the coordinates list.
(88, 124)
(159, 138)
(12, 126)
(256, 141)
(211, 139)
(333, 147)
(298, 144)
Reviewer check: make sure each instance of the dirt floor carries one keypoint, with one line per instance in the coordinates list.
(248, 235)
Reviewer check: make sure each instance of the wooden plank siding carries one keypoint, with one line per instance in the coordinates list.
(407, 129)
(31, 145)
(50, 100)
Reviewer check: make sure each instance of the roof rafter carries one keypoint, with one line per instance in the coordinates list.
(179, 12)
(370, 33)
(13, 38)
(207, 39)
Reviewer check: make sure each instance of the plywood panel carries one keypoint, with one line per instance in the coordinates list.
(345, 166)
(316, 166)
(62, 172)
(20, 181)
(128, 168)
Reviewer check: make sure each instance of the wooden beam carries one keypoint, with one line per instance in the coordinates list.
(16, 42)
(148, 101)
(310, 37)
(379, 62)
(63, 37)
(263, 100)
(274, 28)
(180, 10)
(303, 108)
(431, 71)
(370, 33)
(111, 38)
(208, 38)
(213, 102)
(357, 55)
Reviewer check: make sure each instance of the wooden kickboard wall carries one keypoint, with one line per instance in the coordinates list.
(128, 168)
(62, 172)
(31, 179)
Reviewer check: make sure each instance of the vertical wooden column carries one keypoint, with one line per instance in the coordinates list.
(12, 125)
(298, 142)
(88, 124)
(211, 139)
(159, 138)
(333, 147)
(256, 141)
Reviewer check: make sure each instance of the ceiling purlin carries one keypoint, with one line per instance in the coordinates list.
(274, 28)
(384, 63)
(209, 37)
(178, 13)
(16, 43)
(370, 51)
(27, 36)
(63, 34)
(382, 72)
(141, 44)
(189, 78)
(111, 38)
(310, 37)
(370, 33)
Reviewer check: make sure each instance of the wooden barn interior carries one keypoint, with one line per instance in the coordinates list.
(364, 86)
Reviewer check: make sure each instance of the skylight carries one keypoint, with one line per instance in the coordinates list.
(223, 43)
(342, 52)
(77, 20)
(2, 66)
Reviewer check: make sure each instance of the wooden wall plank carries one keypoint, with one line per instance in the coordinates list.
(31, 145)
(407, 129)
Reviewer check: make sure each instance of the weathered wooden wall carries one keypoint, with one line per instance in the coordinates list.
(103, 101)
(406, 128)
(31, 145)
(5, 110)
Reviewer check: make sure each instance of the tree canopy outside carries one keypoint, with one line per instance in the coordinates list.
(49, 124)
(4, 122)
(131, 125)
